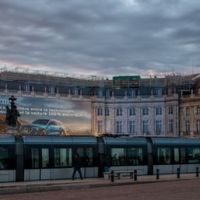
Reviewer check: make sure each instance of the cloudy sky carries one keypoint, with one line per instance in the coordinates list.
(101, 37)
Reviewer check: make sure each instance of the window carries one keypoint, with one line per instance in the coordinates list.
(198, 126)
(183, 156)
(4, 158)
(107, 111)
(158, 127)
(99, 93)
(27, 88)
(158, 91)
(45, 157)
(170, 110)
(187, 112)
(119, 112)
(99, 126)
(171, 125)
(145, 111)
(118, 156)
(134, 156)
(193, 155)
(62, 157)
(198, 110)
(41, 121)
(51, 90)
(119, 127)
(131, 111)
(145, 127)
(99, 111)
(80, 151)
(176, 155)
(158, 110)
(187, 126)
(179, 155)
(53, 123)
(34, 158)
(163, 155)
(108, 93)
(131, 126)
(89, 156)
(133, 92)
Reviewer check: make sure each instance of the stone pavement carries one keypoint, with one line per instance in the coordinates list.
(52, 185)
(187, 189)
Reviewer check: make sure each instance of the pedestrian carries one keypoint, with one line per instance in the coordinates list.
(77, 166)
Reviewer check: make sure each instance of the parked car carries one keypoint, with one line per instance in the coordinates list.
(44, 127)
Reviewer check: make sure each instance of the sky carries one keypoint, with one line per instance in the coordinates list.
(103, 38)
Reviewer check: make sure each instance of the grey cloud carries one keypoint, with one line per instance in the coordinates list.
(109, 37)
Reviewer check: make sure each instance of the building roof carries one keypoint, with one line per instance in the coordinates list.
(70, 140)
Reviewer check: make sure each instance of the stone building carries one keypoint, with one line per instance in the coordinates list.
(124, 105)
(151, 116)
(190, 111)
(168, 106)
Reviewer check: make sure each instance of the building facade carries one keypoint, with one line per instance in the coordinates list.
(153, 116)
(190, 115)
(125, 105)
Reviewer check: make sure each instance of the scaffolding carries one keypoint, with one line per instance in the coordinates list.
(170, 81)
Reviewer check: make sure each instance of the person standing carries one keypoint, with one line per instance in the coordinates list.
(77, 166)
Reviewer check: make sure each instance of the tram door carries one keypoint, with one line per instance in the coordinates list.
(149, 156)
(87, 155)
(101, 157)
(19, 160)
(80, 151)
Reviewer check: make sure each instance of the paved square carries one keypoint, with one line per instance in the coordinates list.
(172, 190)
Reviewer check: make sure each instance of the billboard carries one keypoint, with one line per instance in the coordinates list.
(74, 115)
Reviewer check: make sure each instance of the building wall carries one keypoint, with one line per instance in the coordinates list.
(173, 94)
(114, 123)
(190, 115)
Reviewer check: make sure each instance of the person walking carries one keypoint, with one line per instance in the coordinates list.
(77, 166)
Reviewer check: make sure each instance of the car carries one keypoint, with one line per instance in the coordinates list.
(44, 127)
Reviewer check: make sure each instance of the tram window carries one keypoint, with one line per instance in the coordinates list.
(89, 156)
(4, 158)
(80, 151)
(62, 157)
(45, 158)
(34, 158)
(176, 155)
(194, 155)
(134, 156)
(118, 156)
(163, 155)
(183, 156)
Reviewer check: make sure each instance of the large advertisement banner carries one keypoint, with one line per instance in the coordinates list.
(73, 115)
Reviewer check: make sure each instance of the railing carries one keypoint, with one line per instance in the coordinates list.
(20, 92)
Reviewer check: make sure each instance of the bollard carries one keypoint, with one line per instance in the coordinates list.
(178, 172)
(197, 172)
(118, 175)
(131, 175)
(112, 176)
(135, 175)
(157, 174)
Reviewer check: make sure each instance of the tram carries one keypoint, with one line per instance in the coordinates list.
(51, 157)
(7, 159)
(172, 153)
(29, 158)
